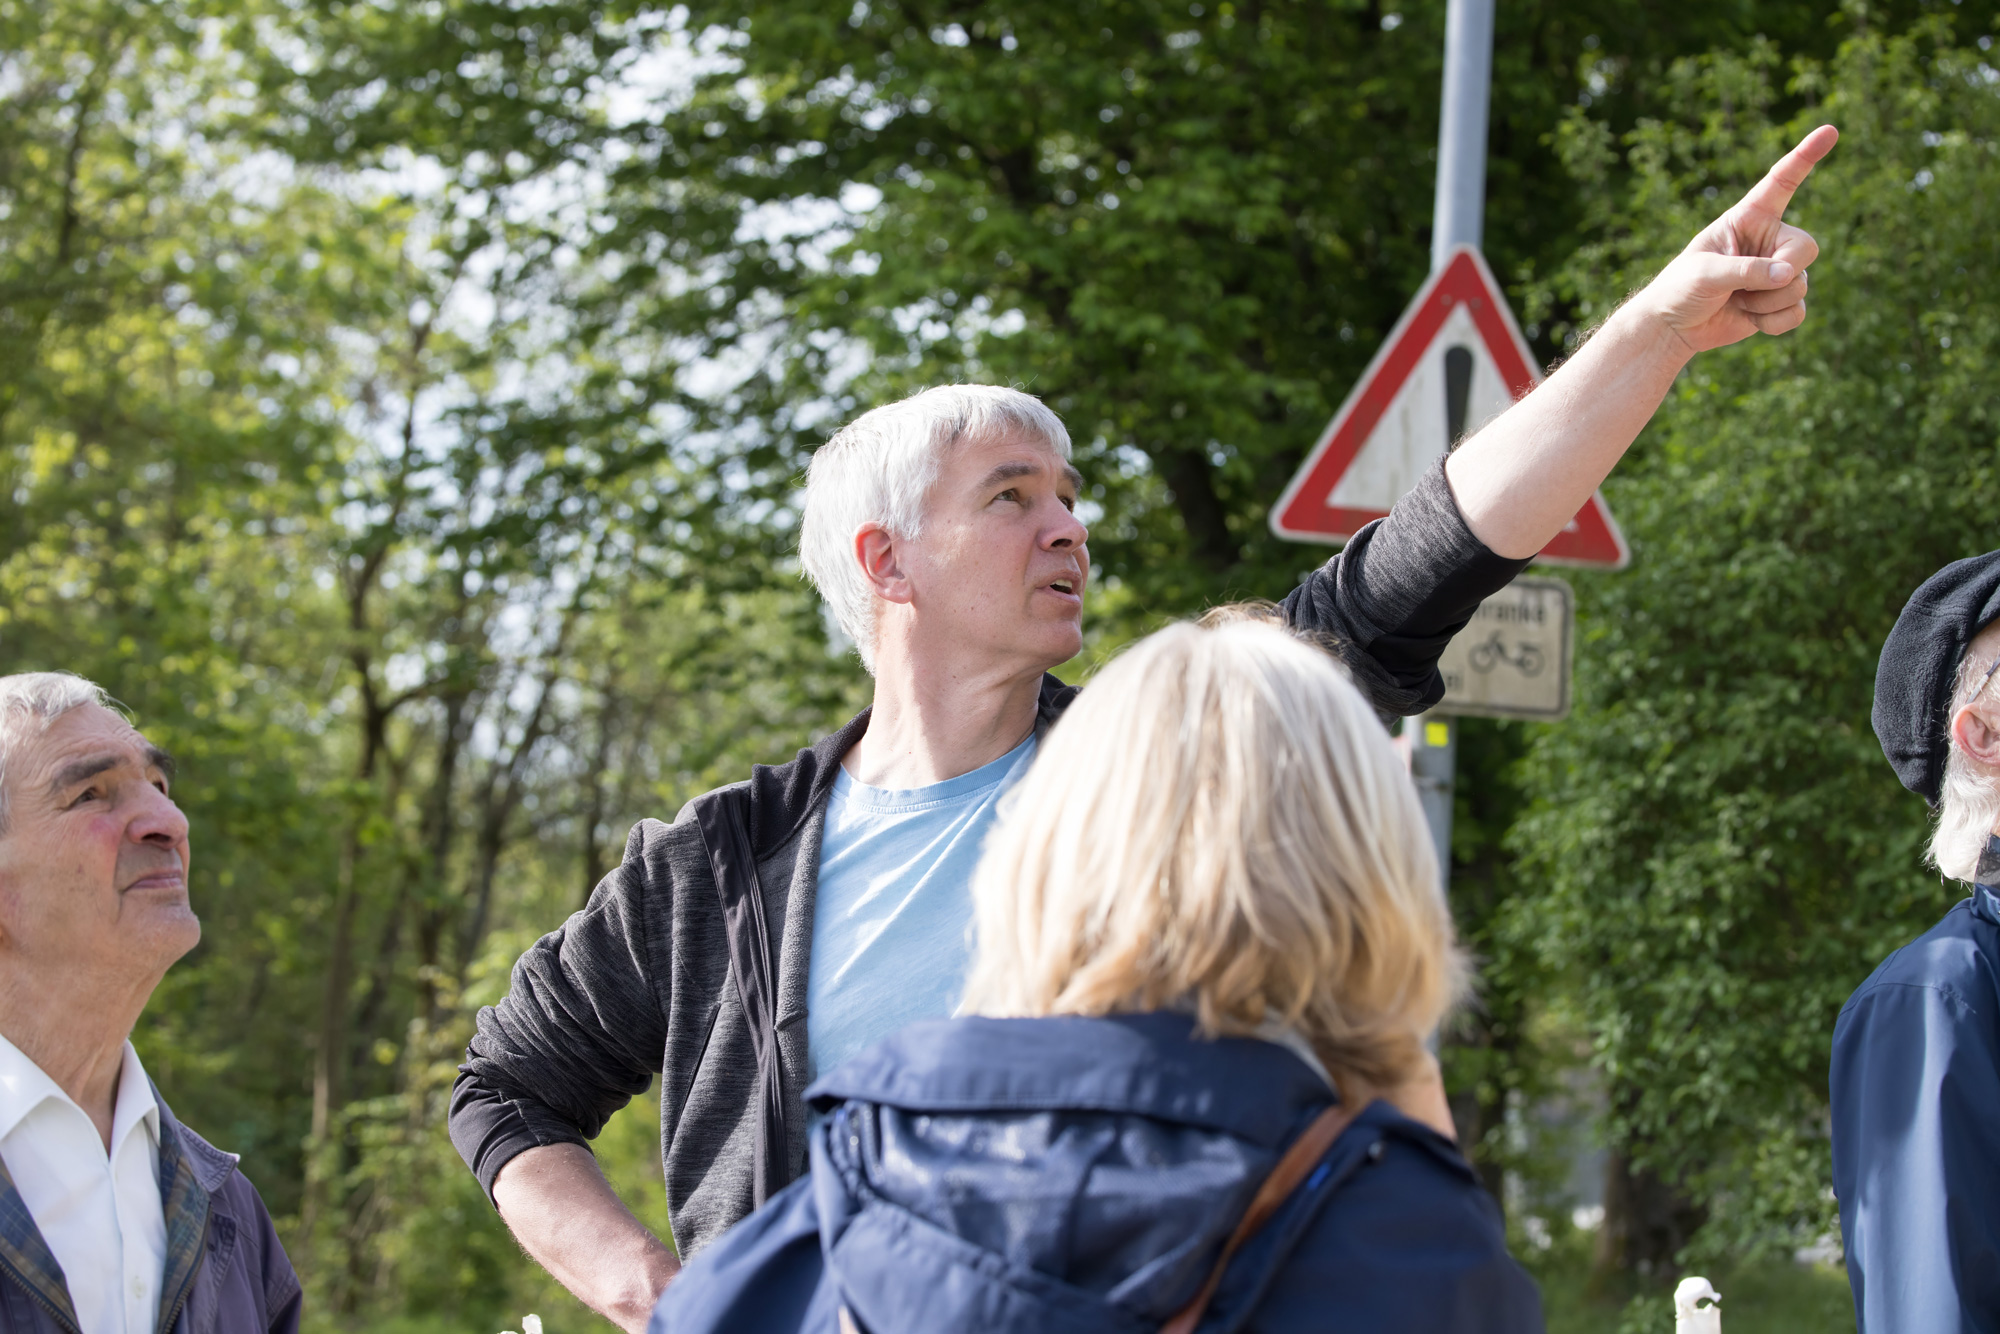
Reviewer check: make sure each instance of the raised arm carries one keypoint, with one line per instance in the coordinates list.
(1394, 597)
(1519, 481)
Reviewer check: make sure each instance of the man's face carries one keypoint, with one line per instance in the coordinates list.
(1001, 563)
(94, 860)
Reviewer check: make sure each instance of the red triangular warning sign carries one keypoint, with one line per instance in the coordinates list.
(1454, 362)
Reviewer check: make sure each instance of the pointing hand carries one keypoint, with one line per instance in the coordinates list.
(1746, 273)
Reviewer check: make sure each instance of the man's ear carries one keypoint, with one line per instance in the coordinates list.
(877, 550)
(1975, 730)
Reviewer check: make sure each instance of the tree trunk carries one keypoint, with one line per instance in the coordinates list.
(1191, 481)
(1647, 1222)
(329, 1061)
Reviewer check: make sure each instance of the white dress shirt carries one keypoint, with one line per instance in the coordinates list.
(99, 1213)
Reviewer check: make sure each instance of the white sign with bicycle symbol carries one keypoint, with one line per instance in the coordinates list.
(1513, 660)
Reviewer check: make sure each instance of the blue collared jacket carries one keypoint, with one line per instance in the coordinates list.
(1916, 1130)
(226, 1272)
(1071, 1175)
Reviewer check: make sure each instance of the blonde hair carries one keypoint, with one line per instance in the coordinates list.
(879, 469)
(1221, 823)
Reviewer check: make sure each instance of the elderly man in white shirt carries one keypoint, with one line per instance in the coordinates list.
(114, 1218)
(99, 1213)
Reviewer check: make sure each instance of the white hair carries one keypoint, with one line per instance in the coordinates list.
(879, 469)
(1968, 799)
(29, 702)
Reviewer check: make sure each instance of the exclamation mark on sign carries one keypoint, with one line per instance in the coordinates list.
(1457, 389)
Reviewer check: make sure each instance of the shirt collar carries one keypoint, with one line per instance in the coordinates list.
(1986, 882)
(1988, 870)
(136, 1104)
(24, 1086)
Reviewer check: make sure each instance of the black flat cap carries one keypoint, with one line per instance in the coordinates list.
(1919, 665)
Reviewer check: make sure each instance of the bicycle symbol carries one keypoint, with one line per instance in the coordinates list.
(1485, 657)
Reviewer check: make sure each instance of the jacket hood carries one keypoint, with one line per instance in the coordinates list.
(1054, 1174)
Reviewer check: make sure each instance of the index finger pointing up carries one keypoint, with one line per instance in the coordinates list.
(1771, 195)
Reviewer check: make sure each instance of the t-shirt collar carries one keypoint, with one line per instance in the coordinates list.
(987, 775)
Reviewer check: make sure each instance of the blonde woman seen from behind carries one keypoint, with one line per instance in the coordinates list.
(1210, 945)
(1226, 829)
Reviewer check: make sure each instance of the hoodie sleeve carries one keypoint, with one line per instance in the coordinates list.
(579, 1033)
(1916, 1148)
(1398, 591)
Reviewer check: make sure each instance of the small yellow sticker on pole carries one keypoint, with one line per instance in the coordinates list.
(1437, 735)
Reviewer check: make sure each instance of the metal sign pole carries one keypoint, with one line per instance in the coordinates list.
(1459, 215)
(1458, 218)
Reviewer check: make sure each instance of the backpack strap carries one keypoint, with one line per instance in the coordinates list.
(1293, 1168)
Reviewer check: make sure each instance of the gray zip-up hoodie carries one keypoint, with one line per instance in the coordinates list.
(691, 958)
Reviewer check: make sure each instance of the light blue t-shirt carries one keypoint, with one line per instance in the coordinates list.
(892, 916)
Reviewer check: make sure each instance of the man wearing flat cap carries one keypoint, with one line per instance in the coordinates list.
(1916, 1051)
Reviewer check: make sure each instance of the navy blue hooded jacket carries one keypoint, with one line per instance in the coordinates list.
(1063, 1175)
(1916, 1130)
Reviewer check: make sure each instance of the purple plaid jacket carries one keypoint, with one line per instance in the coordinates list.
(226, 1272)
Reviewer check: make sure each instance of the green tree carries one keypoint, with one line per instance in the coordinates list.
(359, 499)
(1719, 852)
(1186, 225)
(402, 407)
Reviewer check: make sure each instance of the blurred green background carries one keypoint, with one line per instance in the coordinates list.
(403, 404)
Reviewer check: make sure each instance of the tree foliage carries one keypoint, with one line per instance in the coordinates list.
(402, 405)
(1184, 225)
(1723, 855)
(332, 479)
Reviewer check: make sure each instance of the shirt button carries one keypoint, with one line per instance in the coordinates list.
(138, 1287)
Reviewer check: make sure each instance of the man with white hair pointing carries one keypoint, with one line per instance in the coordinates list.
(780, 925)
